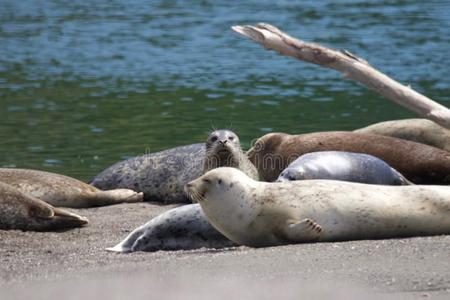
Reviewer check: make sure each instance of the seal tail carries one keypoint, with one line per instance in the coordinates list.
(118, 196)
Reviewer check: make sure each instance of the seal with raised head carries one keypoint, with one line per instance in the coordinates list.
(21, 211)
(180, 228)
(341, 165)
(161, 176)
(417, 130)
(60, 190)
(419, 163)
(223, 149)
(260, 214)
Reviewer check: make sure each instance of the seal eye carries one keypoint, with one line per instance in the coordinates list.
(214, 138)
(231, 138)
(219, 181)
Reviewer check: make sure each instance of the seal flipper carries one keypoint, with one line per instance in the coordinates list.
(302, 231)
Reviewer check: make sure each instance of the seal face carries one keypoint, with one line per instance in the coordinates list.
(20, 211)
(60, 190)
(417, 130)
(181, 228)
(223, 149)
(421, 164)
(345, 166)
(268, 214)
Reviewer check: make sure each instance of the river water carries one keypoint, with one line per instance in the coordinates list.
(84, 84)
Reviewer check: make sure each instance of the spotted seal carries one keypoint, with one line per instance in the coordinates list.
(260, 214)
(417, 130)
(180, 228)
(419, 163)
(162, 175)
(21, 211)
(60, 190)
(223, 149)
(341, 165)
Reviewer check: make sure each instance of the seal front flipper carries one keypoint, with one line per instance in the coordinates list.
(302, 231)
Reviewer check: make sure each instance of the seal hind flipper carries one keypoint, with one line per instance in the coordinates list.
(116, 196)
(41, 210)
(305, 230)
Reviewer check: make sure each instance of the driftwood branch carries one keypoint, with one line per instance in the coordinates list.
(350, 65)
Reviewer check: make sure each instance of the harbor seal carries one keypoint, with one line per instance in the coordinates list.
(345, 166)
(419, 163)
(160, 176)
(260, 214)
(417, 130)
(180, 228)
(20, 211)
(60, 190)
(223, 149)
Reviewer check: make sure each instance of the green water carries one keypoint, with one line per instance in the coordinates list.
(83, 85)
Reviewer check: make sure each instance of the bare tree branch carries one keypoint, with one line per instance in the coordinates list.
(350, 66)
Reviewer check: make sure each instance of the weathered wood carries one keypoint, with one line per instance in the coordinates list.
(350, 66)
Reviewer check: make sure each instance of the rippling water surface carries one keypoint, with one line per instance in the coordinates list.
(84, 84)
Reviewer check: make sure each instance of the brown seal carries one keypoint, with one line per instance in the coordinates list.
(420, 163)
(21, 211)
(417, 130)
(60, 190)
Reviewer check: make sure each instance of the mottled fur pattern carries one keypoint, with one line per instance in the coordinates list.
(160, 176)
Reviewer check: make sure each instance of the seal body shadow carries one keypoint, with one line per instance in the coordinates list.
(60, 190)
(20, 211)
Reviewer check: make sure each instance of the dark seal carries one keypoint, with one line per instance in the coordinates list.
(161, 176)
(344, 166)
(421, 164)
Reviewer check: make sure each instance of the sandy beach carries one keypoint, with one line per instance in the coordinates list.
(44, 265)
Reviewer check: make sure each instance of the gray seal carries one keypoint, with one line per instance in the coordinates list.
(180, 228)
(160, 176)
(341, 165)
(223, 149)
(21, 211)
(60, 190)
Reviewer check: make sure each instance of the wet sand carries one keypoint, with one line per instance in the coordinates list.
(74, 264)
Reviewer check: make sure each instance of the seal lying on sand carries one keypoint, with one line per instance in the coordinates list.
(420, 163)
(161, 176)
(417, 130)
(20, 211)
(223, 149)
(345, 166)
(260, 214)
(181, 228)
(60, 190)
